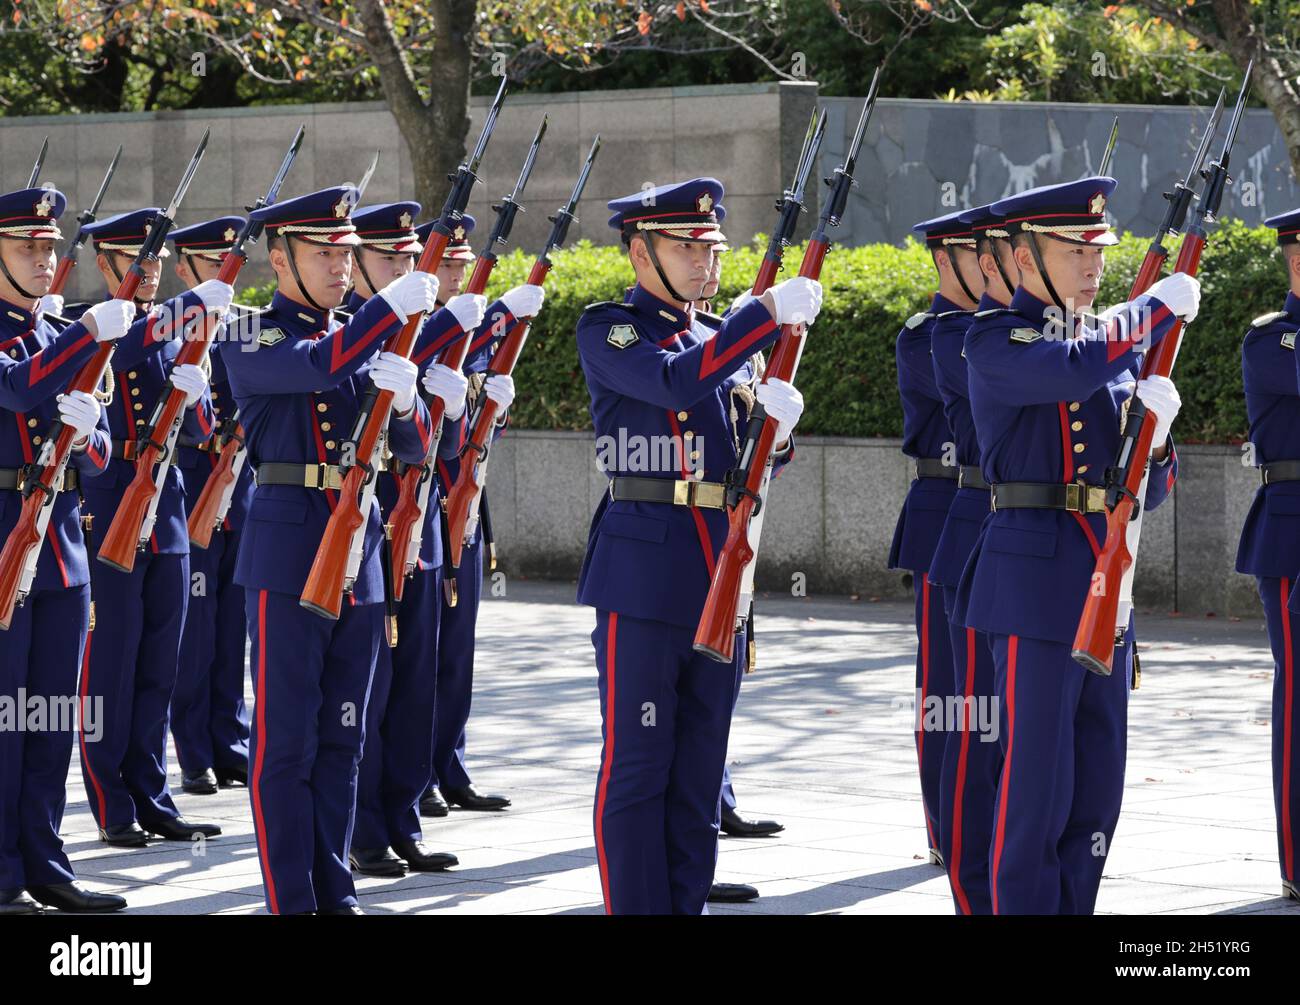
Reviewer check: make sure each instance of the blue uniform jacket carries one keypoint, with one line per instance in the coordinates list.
(1047, 409)
(970, 506)
(37, 363)
(142, 362)
(1270, 537)
(661, 384)
(298, 376)
(925, 434)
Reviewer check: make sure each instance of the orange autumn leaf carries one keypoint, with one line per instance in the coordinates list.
(704, 6)
(1109, 10)
(681, 10)
(643, 23)
(924, 5)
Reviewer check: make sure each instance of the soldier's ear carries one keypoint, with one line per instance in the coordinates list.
(1024, 258)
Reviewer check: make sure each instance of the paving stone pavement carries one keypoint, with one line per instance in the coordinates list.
(822, 741)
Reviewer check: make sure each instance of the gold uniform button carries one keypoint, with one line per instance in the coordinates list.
(1074, 406)
(695, 455)
(1076, 425)
(31, 423)
(699, 475)
(689, 434)
(13, 353)
(138, 407)
(36, 441)
(321, 407)
(1078, 447)
(683, 416)
(1083, 468)
(325, 427)
(330, 444)
(131, 375)
(135, 392)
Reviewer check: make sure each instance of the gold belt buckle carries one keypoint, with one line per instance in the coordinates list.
(1074, 497)
(1096, 498)
(317, 476)
(683, 493)
(711, 495)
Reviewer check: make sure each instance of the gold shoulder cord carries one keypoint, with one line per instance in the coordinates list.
(105, 396)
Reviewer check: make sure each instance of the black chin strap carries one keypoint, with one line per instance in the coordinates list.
(997, 260)
(654, 260)
(961, 280)
(361, 267)
(1042, 271)
(4, 267)
(293, 268)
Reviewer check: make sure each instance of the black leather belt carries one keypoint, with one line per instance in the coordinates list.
(1279, 471)
(125, 450)
(971, 477)
(674, 491)
(208, 446)
(12, 479)
(304, 476)
(1076, 497)
(933, 467)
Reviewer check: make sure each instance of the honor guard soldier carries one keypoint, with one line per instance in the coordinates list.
(42, 649)
(1046, 394)
(657, 376)
(298, 378)
(971, 763)
(133, 652)
(929, 442)
(397, 762)
(209, 720)
(451, 783)
(1270, 540)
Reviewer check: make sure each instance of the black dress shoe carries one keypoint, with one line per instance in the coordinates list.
(731, 893)
(376, 862)
(202, 784)
(345, 909)
(936, 857)
(226, 777)
(180, 829)
(124, 836)
(468, 799)
(420, 859)
(737, 826)
(1290, 891)
(433, 805)
(15, 902)
(71, 897)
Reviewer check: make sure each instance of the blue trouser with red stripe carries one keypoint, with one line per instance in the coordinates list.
(39, 655)
(456, 670)
(1284, 638)
(666, 711)
(130, 665)
(972, 762)
(1065, 740)
(397, 762)
(209, 721)
(311, 679)
(934, 683)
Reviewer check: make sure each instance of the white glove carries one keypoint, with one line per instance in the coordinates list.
(468, 309)
(524, 301)
(783, 402)
(1161, 397)
(797, 300)
(216, 295)
(741, 301)
(500, 387)
(192, 380)
(449, 385)
(1180, 293)
(391, 372)
(112, 318)
(413, 293)
(80, 412)
(51, 303)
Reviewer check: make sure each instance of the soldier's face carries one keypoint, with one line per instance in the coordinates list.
(1075, 271)
(192, 270)
(325, 271)
(685, 263)
(383, 267)
(451, 279)
(31, 263)
(715, 278)
(150, 269)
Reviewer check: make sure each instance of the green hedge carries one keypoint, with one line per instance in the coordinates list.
(847, 374)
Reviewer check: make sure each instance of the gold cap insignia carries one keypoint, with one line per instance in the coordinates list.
(230, 234)
(342, 207)
(459, 233)
(1097, 204)
(404, 221)
(704, 203)
(45, 206)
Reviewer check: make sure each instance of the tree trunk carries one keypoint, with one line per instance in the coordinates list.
(1275, 82)
(434, 131)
